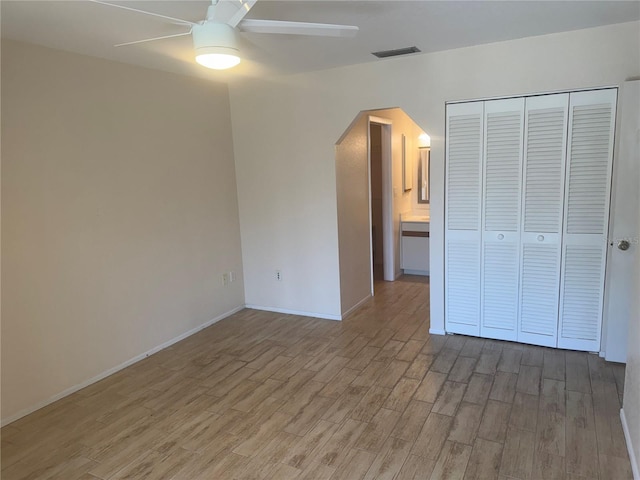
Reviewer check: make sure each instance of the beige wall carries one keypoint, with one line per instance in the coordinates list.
(119, 215)
(353, 215)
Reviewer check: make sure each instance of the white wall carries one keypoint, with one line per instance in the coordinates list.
(631, 408)
(284, 130)
(631, 405)
(119, 215)
(623, 224)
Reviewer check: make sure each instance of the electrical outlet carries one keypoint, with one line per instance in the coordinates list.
(225, 279)
(279, 275)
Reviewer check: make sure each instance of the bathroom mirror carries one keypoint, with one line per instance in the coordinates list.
(423, 174)
(407, 169)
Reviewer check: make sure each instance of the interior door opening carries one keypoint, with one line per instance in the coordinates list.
(380, 201)
(375, 189)
(377, 162)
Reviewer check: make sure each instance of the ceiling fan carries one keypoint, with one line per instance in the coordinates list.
(214, 38)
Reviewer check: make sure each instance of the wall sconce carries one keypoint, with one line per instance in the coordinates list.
(424, 140)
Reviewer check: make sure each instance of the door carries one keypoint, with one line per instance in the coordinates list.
(502, 179)
(624, 226)
(463, 217)
(384, 181)
(586, 218)
(526, 245)
(545, 142)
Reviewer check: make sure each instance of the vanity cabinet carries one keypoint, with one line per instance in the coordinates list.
(415, 247)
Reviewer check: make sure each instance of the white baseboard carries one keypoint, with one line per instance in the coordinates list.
(355, 307)
(632, 456)
(325, 316)
(117, 368)
(423, 273)
(437, 331)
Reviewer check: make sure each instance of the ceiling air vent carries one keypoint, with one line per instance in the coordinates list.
(396, 52)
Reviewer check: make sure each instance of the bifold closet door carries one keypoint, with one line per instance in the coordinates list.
(464, 132)
(586, 217)
(502, 177)
(545, 142)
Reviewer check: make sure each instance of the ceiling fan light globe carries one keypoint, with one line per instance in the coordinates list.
(215, 45)
(217, 61)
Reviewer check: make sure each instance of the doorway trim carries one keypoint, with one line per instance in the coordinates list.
(387, 199)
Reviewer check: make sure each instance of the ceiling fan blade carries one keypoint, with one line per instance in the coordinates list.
(171, 19)
(153, 39)
(246, 5)
(297, 28)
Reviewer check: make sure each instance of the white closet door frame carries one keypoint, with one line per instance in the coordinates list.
(463, 192)
(500, 241)
(579, 245)
(541, 240)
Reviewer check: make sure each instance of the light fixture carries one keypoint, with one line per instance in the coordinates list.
(215, 45)
(424, 140)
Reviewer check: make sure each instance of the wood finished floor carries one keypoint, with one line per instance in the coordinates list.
(269, 396)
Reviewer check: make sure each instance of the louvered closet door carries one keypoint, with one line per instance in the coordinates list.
(462, 217)
(502, 179)
(545, 142)
(586, 218)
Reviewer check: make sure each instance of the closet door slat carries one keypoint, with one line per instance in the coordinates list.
(545, 143)
(504, 120)
(528, 184)
(463, 179)
(462, 217)
(586, 220)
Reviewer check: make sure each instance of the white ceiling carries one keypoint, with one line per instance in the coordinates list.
(92, 29)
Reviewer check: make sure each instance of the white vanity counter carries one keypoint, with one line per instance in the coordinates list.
(415, 244)
(411, 218)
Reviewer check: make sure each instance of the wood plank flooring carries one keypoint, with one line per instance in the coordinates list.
(264, 396)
